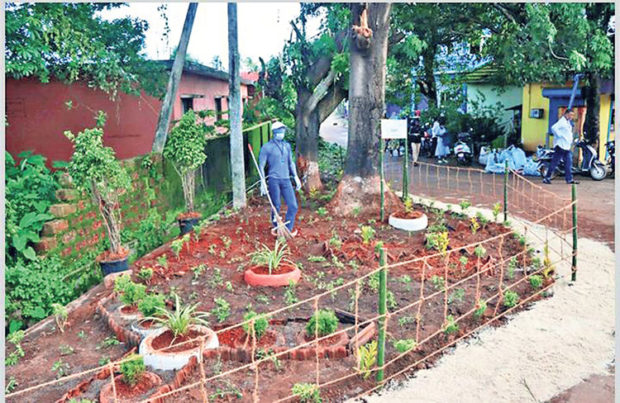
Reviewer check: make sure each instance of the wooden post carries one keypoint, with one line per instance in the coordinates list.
(382, 174)
(406, 172)
(173, 83)
(505, 190)
(382, 311)
(574, 265)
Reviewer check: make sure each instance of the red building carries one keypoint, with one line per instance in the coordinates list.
(38, 113)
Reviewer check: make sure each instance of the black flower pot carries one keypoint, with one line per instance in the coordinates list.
(187, 224)
(114, 266)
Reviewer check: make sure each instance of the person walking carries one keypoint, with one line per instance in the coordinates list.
(442, 150)
(562, 141)
(415, 138)
(278, 158)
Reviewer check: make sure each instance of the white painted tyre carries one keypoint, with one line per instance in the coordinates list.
(167, 361)
(142, 331)
(407, 224)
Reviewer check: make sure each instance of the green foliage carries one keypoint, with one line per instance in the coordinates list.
(465, 204)
(11, 384)
(438, 241)
(198, 270)
(480, 251)
(307, 392)
(457, 296)
(439, 283)
(497, 208)
(313, 258)
(145, 274)
(463, 260)
(61, 368)
(131, 293)
(271, 258)
(326, 321)
(15, 339)
(60, 315)
(511, 299)
(368, 233)
(367, 358)
(404, 345)
(406, 320)
(450, 326)
(163, 260)
(176, 246)
(408, 202)
(290, 297)
(29, 192)
(151, 304)
(475, 226)
(260, 324)
(179, 320)
(335, 241)
(373, 281)
(132, 369)
(390, 300)
(221, 310)
(512, 265)
(536, 281)
(481, 307)
(322, 211)
(107, 342)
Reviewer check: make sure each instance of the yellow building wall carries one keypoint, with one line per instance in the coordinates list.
(604, 122)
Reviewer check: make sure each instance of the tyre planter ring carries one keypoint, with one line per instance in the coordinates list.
(409, 224)
(172, 360)
(106, 395)
(271, 280)
(128, 316)
(144, 331)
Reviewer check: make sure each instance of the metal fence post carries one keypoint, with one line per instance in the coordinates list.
(505, 190)
(382, 311)
(406, 172)
(574, 266)
(382, 179)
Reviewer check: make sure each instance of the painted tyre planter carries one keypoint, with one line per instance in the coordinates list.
(124, 393)
(255, 279)
(409, 224)
(167, 360)
(128, 315)
(114, 266)
(144, 330)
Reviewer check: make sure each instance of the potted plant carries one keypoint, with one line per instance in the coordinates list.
(150, 305)
(179, 339)
(408, 219)
(130, 294)
(271, 268)
(323, 323)
(133, 381)
(185, 150)
(95, 169)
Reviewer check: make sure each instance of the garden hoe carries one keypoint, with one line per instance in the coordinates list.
(280, 229)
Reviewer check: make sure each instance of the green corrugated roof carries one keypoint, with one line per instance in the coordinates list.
(481, 74)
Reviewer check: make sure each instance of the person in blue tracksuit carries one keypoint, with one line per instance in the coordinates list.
(276, 155)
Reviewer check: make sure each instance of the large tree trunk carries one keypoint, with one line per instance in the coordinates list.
(236, 136)
(360, 185)
(173, 83)
(591, 127)
(428, 86)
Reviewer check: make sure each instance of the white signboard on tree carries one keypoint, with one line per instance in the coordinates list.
(393, 129)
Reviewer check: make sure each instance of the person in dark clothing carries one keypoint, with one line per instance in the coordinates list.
(414, 138)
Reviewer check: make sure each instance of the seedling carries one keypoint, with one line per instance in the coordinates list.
(270, 355)
(438, 241)
(81, 334)
(512, 266)
(15, 338)
(322, 211)
(408, 202)
(439, 283)
(263, 299)
(198, 229)
(356, 211)
(497, 208)
(481, 307)
(163, 261)
(226, 241)
(221, 310)
(186, 240)
(176, 247)
(10, 385)
(368, 233)
(451, 326)
(60, 315)
(354, 265)
(271, 258)
(326, 321)
(316, 259)
(335, 241)
(212, 249)
(61, 368)
(480, 251)
(463, 260)
(107, 342)
(307, 392)
(536, 281)
(406, 320)
(229, 286)
(511, 299)
(464, 204)
(131, 293)
(66, 349)
(179, 320)
(482, 219)
(405, 279)
(404, 345)
(198, 270)
(457, 296)
(230, 390)
(367, 358)
(216, 279)
(151, 304)
(474, 225)
(260, 324)
(132, 369)
(145, 274)
(390, 300)
(373, 281)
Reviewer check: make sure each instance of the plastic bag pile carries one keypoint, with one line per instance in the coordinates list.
(494, 161)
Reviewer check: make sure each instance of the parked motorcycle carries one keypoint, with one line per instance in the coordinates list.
(611, 159)
(462, 149)
(590, 163)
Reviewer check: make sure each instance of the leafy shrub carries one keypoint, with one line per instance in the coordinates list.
(307, 392)
(131, 293)
(367, 358)
(327, 323)
(179, 320)
(511, 299)
(536, 281)
(132, 369)
(368, 233)
(451, 326)
(151, 304)
(260, 324)
(221, 310)
(404, 345)
(438, 241)
(481, 307)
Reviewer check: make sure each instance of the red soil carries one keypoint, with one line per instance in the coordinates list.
(125, 391)
(409, 216)
(129, 310)
(165, 340)
(109, 256)
(236, 338)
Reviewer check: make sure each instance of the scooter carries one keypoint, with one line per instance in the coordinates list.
(611, 159)
(462, 150)
(590, 163)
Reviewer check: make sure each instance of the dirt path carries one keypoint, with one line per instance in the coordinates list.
(548, 349)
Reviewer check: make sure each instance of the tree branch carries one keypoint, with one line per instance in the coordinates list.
(330, 101)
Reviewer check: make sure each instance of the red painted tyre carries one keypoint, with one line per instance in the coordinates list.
(280, 279)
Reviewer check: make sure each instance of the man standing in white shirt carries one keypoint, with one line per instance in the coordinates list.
(562, 140)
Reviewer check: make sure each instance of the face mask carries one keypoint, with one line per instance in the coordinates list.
(279, 136)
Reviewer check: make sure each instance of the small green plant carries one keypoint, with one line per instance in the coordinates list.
(316, 259)
(66, 349)
(406, 320)
(163, 261)
(457, 296)
(497, 208)
(408, 202)
(229, 287)
(451, 326)
(290, 297)
(198, 229)
(536, 281)
(480, 251)
(482, 219)
(103, 361)
(512, 266)
(81, 334)
(439, 283)
(145, 274)
(212, 248)
(326, 322)
(10, 385)
(216, 279)
(464, 204)
(511, 299)
(307, 393)
(198, 270)
(463, 260)
(15, 339)
(221, 310)
(368, 233)
(404, 345)
(335, 241)
(405, 279)
(322, 211)
(475, 226)
(438, 241)
(226, 241)
(390, 300)
(356, 211)
(481, 307)
(260, 324)
(176, 246)
(151, 304)
(262, 354)
(378, 246)
(271, 258)
(354, 265)
(179, 320)
(367, 356)
(61, 368)
(373, 281)
(60, 316)
(107, 342)
(132, 369)
(263, 299)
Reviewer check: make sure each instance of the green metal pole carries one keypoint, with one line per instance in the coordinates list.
(382, 311)
(505, 190)
(382, 178)
(406, 172)
(574, 266)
